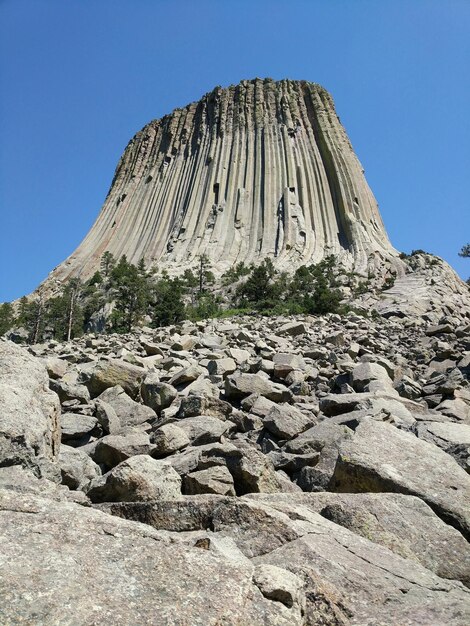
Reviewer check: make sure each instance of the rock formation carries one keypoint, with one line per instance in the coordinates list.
(260, 169)
(295, 471)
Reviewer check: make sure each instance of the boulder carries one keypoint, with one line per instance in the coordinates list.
(365, 373)
(186, 375)
(168, 439)
(107, 418)
(114, 372)
(356, 581)
(284, 363)
(75, 425)
(204, 429)
(379, 457)
(29, 413)
(139, 577)
(129, 412)
(293, 329)
(113, 449)
(156, 394)
(198, 404)
(285, 421)
(216, 480)
(221, 367)
(243, 385)
(276, 583)
(76, 468)
(70, 390)
(139, 478)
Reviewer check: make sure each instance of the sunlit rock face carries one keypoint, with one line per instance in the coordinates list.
(255, 170)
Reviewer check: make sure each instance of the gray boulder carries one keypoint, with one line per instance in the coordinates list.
(113, 449)
(114, 372)
(243, 385)
(382, 458)
(76, 468)
(129, 412)
(204, 429)
(156, 394)
(168, 439)
(139, 478)
(285, 421)
(216, 480)
(75, 425)
(29, 413)
(139, 577)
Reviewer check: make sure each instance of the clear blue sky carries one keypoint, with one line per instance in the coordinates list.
(79, 77)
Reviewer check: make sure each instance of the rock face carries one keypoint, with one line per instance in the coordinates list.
(260, 169)
(29, 413)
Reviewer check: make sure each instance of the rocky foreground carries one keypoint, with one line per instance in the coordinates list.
(296, 471)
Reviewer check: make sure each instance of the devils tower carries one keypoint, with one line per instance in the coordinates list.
(260, 169)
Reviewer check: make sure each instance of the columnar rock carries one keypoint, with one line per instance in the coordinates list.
(255, 170)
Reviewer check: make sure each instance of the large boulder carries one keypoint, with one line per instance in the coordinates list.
(29, 413)
(156, 394)
(382, 458)
(113, 449)
(404, 524)
(243, 385)
(286, 421)
(139, 478)
(76, 467)
(129, 412)
(113, 372)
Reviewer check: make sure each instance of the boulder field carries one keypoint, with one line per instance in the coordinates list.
(291, 471)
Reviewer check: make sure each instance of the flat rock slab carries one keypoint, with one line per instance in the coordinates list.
(67, 564)
(403, 524)
(349, 580)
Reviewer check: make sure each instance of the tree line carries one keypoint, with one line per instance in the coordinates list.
(137, 295)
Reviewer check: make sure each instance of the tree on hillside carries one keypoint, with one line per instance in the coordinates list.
(31, 315)
(64, 314)
(204, 274)
(107, 263)
(167, 306)
(314, 287)
(130, 289)
(7, 317)
(465, 251)
(262, 289)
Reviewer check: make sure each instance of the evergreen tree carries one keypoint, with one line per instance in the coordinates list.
(261, 290)
(167, 305)
(131, 291)
(205, 276)
(64, 314)
(7, 317)
(313, 287)
(465, 251)
(107, 263)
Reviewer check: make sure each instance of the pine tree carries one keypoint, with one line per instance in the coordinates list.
(167, 305)
(465, 251)
(7, 317)
(72, 293)
(107, 263)
(131, 292)
(204, 274)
